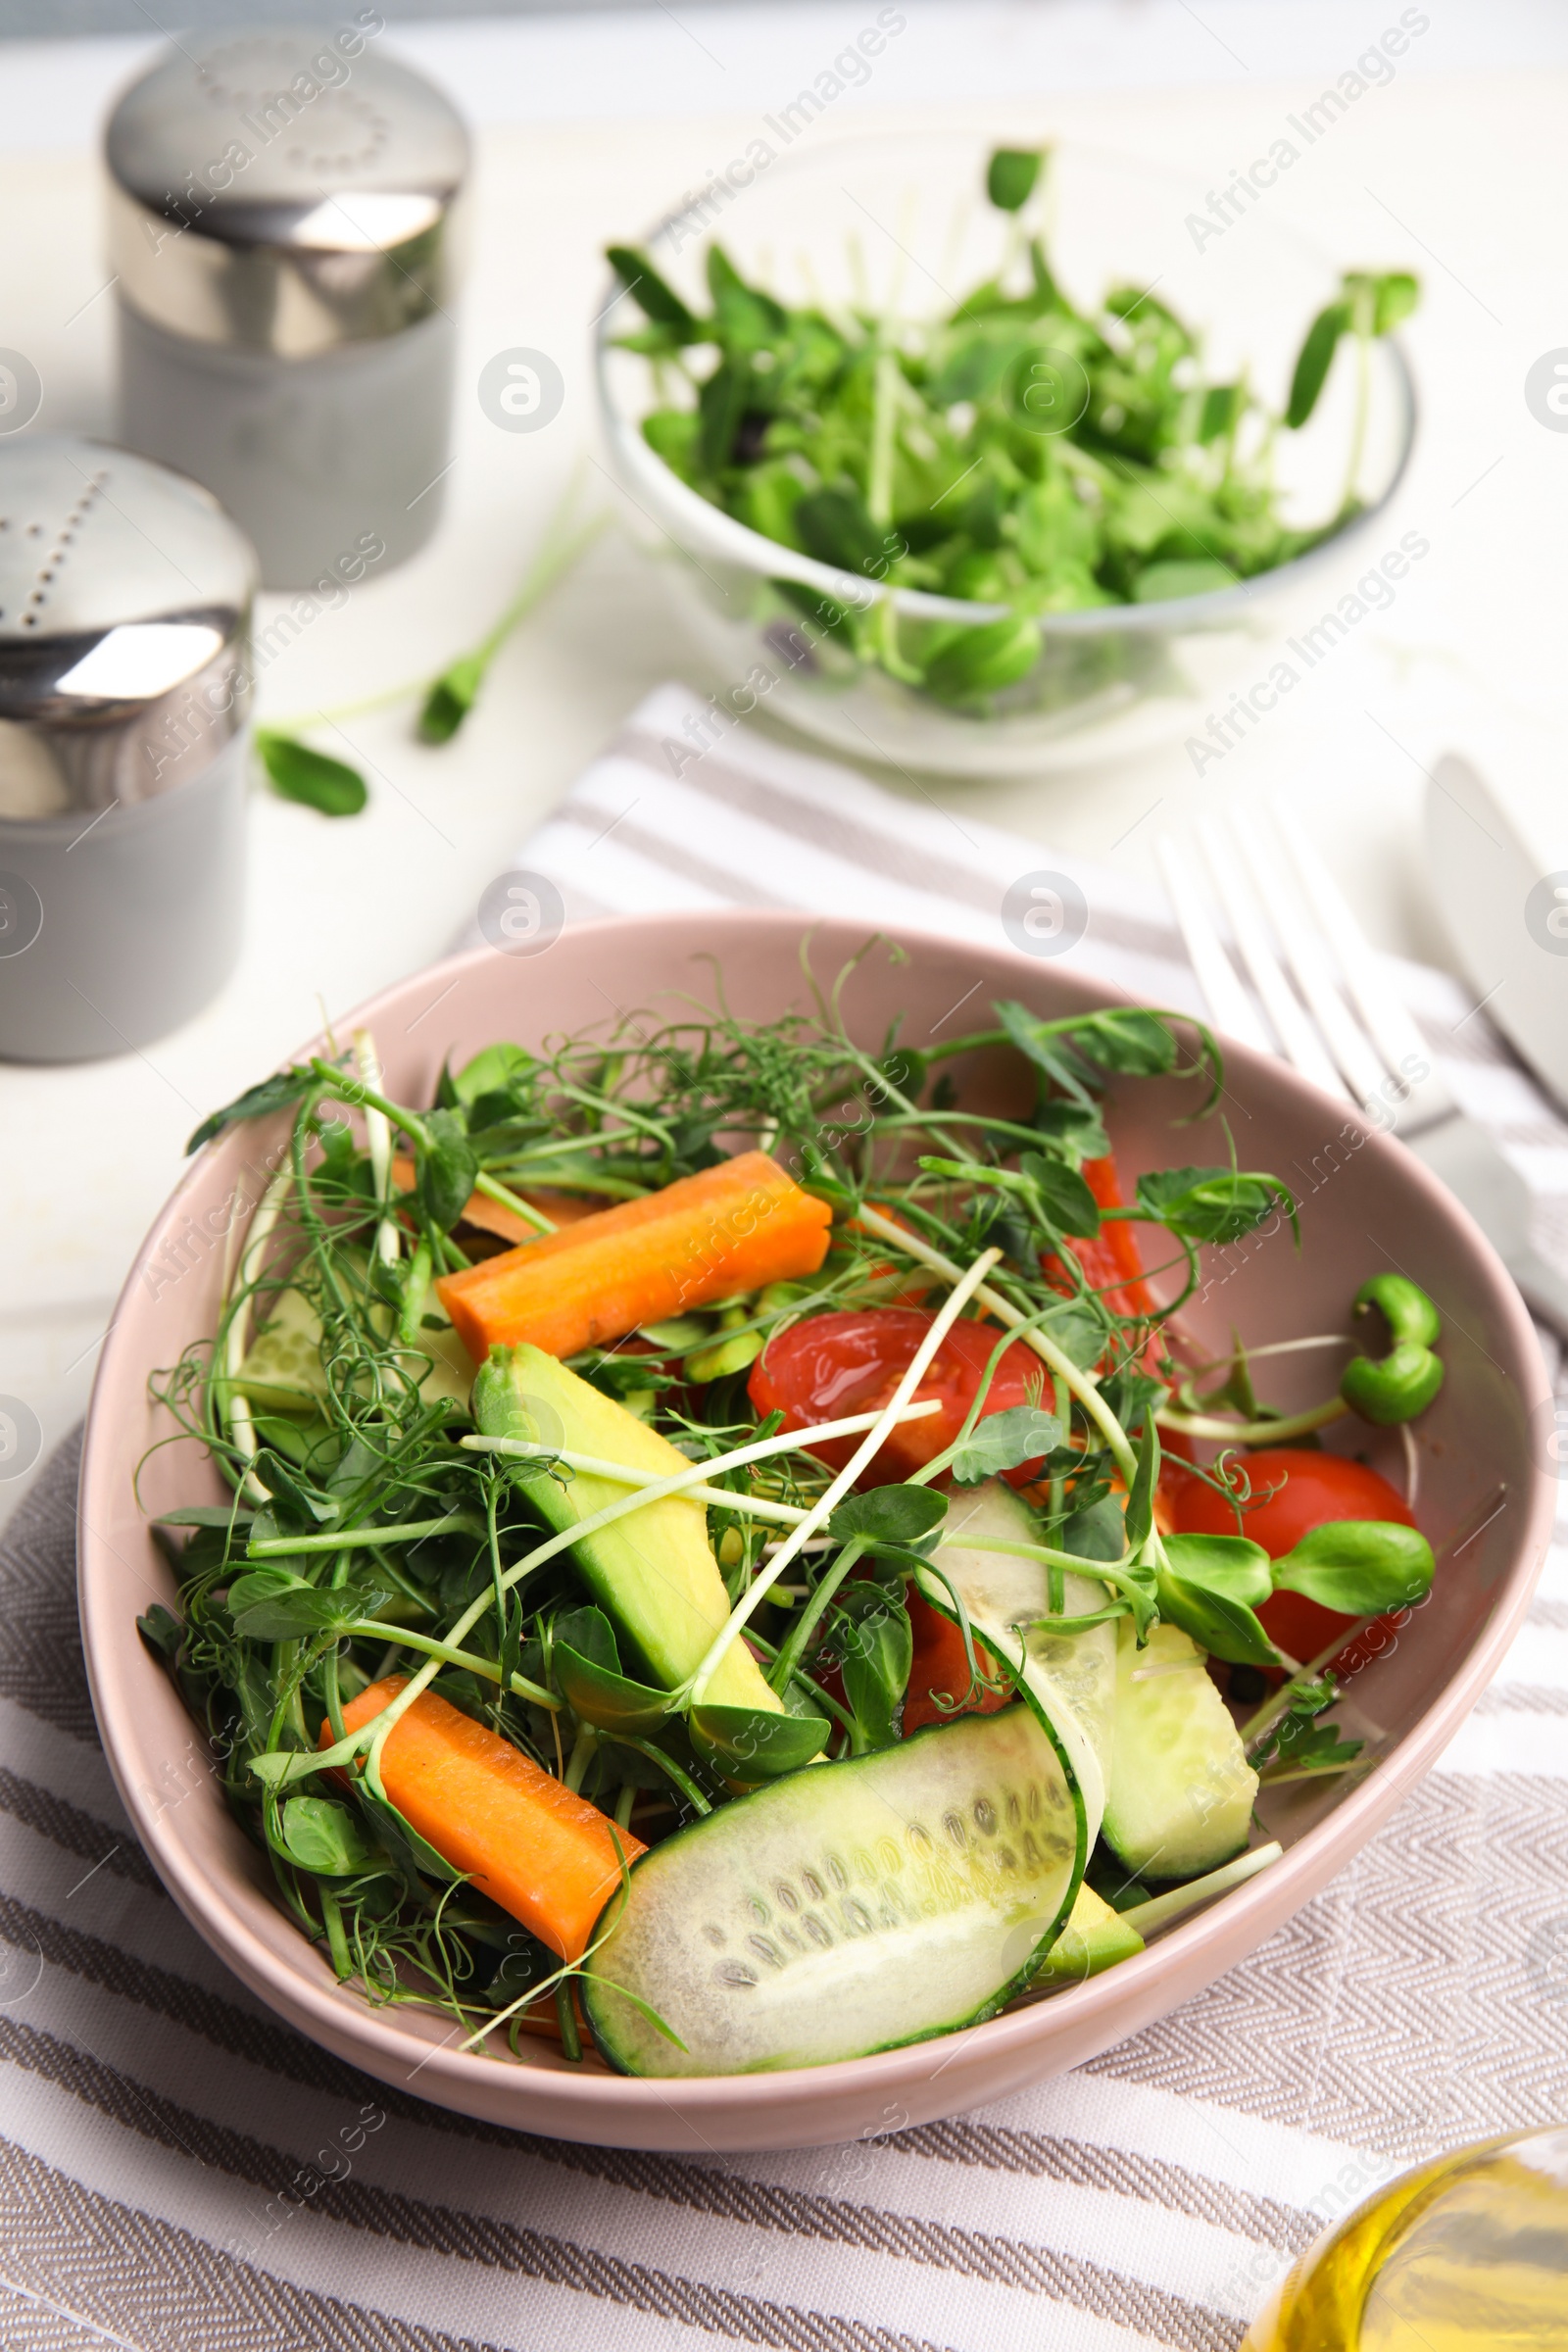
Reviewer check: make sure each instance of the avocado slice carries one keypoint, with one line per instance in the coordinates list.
(652, 1573)
(1095, 1937)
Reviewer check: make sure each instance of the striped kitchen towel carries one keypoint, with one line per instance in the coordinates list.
(179, 2170)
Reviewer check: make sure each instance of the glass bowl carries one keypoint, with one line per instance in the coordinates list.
(901, 224)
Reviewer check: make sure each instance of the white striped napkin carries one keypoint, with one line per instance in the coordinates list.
(178, 2169)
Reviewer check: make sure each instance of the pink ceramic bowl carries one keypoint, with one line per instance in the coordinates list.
(1365, 1203)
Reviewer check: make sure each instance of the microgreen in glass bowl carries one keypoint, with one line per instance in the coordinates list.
(984, 461)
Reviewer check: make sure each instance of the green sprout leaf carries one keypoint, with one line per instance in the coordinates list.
(299, 774)
(1128, 1040)
(1095, 1532)
(1211, 1587)
(1210, 1204)
(295, 1611)
(1057, 1194)
(280, 1092)
(1398, 294)
(607, 1699)
(754, 1744)
(590, 1636)
(256, 1584)
(1216, 1612)
(1066, 1201)
(586, 1663)
(982, 660)
(1004, 1441)
(1076, 1130)
(447, 1169)
(1302, 1747)
(1012, 176)
(657, 299)
(1368, 305)
(1140, 1495)
(835, 527)
(1358, 1567)
(1314, 361)
(323, 1836)
(496, 1070)
(1403, 1382)
(889, 1515)
(1050, 1052)
(745, 316)
(162, 1631)
(1223, 405)
(876, 1646)
(1233, 1565)
(1384, 301)
(1077, 1330)
(449, 700)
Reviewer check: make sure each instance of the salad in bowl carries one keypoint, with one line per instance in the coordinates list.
(731, 1555)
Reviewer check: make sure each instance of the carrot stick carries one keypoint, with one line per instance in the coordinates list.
(542, 1853)
(731, 1229)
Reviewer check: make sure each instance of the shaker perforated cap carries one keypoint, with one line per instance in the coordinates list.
(285, 189)
(124, 612)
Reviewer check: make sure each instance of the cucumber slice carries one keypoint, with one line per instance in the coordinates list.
(851, 1908)
(1068, 1679)
(1180, 1788)
(283, 1371)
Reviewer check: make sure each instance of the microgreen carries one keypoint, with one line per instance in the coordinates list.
(1367, 306)
(374, 1532)
(299, 774)
(298, 771)
(1021, 451)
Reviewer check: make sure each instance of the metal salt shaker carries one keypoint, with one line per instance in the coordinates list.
(284, 225)
(124, 691)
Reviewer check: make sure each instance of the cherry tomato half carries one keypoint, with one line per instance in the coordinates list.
(829, 1366)
(1311, 1491)
(939, 1664)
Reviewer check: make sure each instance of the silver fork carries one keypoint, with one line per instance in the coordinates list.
(1341, 1023)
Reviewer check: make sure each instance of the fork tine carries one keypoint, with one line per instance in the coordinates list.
(1379, 1006)
(1310, 964)
(1297, 1034)
(1229, 1006)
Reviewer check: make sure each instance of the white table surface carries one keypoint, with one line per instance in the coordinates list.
(587, 126)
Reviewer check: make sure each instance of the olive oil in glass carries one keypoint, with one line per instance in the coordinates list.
(1468, 2251)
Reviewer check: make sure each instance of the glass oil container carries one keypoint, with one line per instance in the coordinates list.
(1465, 2254)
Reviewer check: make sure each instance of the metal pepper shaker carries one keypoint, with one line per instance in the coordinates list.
(124, 692)
(284, 226)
